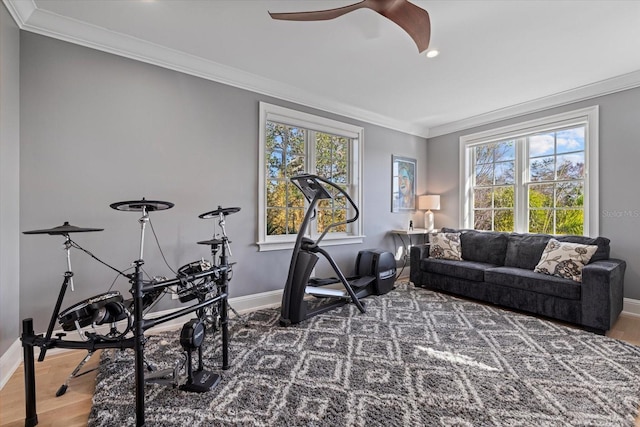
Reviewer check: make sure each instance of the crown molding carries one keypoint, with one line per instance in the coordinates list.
(30, 18)
(582, 93)
(20, 11)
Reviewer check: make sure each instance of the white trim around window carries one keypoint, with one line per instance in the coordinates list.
(586, 116)
(275, 113)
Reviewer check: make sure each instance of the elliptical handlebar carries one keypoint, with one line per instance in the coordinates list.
(305, 183)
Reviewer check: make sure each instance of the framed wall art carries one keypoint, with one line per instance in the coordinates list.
(403, 184)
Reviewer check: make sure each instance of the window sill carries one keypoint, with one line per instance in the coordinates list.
(327, 241)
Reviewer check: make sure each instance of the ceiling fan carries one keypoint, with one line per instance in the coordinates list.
(413, 19)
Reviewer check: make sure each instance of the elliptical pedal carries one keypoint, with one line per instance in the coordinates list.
(326, 292)
(361, 282)
(317, 281)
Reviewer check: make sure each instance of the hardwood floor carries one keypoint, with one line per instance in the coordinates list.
(72, 409)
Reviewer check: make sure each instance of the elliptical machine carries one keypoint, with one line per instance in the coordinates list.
(375, 269)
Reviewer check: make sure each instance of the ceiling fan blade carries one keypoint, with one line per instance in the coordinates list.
(413, 19)
(318, 15)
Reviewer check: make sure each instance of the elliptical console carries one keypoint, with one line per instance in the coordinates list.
(375, 270)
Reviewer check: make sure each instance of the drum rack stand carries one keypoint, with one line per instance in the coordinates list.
(138, 290)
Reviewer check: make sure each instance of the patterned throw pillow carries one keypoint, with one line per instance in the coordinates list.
(445, 246)
(565, 259)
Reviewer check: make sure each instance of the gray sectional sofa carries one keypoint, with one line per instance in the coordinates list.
(499, 268)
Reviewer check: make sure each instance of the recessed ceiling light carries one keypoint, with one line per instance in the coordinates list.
(432, 53)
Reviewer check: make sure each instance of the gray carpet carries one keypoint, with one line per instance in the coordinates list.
(415, 358)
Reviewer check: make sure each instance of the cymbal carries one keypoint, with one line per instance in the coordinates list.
(65, 228)
(138, 205)
(210, 242)
(217, 212)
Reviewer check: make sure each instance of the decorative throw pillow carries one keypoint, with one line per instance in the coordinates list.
(445, 246)
(565, 259)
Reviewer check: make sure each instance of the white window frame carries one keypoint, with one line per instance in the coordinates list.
(276, 113)
(589, 117)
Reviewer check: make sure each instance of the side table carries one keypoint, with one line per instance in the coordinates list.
(406, 241)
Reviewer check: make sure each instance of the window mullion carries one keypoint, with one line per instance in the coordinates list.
(285, 163)
(311, 167)
(521, 201)
(470, 193)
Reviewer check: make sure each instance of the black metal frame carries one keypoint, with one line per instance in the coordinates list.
(304, 258)
(220, 275)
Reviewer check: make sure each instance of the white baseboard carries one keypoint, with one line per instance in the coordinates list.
(631, 307)
(12, 358)
(255, 302)
(10, 361)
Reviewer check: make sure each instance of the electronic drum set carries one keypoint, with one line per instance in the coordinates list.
(201, 283)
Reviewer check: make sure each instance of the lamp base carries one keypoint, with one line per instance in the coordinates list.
(428, 220)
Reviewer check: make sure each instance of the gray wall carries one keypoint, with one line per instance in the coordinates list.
(9, 174)
(98, 128)
(619, 154)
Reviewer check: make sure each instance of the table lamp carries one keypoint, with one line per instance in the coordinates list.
(428, 202)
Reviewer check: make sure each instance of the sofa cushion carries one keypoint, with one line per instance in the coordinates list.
(445, 246)
(534, 282)
(601, 242)
(525, 250)
(484, 246)
(564, 259)
(468, 270)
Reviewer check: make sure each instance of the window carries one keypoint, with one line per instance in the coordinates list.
(494, 186)
(556, 181)
(538, 177)
(292, 143)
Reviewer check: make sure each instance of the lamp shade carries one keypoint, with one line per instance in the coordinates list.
(428, 202)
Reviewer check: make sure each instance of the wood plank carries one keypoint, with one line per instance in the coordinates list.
(70, 409)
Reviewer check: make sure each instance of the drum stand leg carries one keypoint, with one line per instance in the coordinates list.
(31, 418)
(52, 322)
(139, 341)
(63, 388)
(224, 261)
(238, 315)
(224, 322)
(225, 335)
(68, 280)
(223, 288)
(138, 323)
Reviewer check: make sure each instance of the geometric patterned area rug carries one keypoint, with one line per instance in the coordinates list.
(415, 358)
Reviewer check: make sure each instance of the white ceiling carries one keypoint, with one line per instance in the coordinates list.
(498, 58)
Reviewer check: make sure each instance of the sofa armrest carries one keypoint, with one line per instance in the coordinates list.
(602, 293)
(417, 253)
